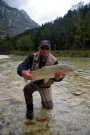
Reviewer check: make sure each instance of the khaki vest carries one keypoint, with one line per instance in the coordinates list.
(35, 66)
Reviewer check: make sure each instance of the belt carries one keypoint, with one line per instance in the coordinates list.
(41, 86)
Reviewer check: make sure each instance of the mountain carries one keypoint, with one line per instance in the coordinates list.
(14, 21)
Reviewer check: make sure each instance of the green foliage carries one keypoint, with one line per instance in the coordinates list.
(24, 44)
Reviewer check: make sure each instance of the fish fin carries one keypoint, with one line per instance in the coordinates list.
(25, 80)
(46, 80)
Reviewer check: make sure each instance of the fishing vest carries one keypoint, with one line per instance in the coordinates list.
(35, 66)
(50, 61)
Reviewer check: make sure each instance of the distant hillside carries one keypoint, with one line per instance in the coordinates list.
(68, 33)
(14, 21)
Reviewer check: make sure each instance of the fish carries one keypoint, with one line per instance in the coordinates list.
(47, 72)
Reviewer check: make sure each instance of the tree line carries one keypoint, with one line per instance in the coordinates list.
(71, 32)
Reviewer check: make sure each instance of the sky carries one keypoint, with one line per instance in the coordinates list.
(43, 11)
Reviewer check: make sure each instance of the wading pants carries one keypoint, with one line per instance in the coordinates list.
(45, 94)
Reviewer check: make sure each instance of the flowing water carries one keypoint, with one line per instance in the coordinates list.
(71, 97)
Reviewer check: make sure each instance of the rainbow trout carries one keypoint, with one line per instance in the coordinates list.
(47, 72)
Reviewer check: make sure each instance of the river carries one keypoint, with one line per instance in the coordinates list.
(71, 97)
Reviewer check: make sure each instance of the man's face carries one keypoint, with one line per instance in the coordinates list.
(44, 50)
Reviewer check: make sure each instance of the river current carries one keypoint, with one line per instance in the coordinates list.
(71, 97)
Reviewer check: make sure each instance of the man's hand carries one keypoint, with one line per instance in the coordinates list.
(60, 74)
(26, 75)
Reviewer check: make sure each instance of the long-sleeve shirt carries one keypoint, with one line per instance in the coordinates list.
(27, 63)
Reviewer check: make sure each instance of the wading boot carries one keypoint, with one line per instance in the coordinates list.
(29, 112)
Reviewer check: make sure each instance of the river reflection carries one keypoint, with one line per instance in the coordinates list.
(71, 97)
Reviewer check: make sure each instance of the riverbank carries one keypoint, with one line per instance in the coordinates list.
(63, 53)
(69, 53)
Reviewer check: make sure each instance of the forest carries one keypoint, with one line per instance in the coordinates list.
(68, 33)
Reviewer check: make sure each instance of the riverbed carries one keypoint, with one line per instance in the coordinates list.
(71, 97)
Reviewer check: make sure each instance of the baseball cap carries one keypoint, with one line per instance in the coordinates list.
(45, 42)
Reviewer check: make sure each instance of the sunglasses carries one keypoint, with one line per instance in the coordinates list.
(44, 48)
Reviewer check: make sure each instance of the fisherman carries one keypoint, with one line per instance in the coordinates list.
(41, 58)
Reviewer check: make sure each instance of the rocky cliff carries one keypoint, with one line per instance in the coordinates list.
(14, 21)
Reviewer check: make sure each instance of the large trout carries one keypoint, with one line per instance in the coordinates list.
(47, 72)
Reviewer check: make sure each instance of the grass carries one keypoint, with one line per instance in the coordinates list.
(63, 53)
(69, 53)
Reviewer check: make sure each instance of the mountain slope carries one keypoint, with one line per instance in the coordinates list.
(14, 21)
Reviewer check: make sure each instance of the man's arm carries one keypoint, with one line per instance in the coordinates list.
(25, 65)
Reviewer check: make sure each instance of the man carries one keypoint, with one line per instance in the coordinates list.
(33, 62)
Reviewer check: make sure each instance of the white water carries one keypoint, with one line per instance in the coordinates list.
(4, 56)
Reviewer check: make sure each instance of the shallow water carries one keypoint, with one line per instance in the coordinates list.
(71, 97)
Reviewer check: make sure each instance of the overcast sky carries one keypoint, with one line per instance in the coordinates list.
(42, 11)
